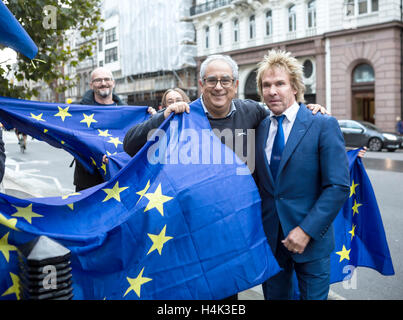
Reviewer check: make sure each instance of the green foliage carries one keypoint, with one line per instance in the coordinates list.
(54, 52)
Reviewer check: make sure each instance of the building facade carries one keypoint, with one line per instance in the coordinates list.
(351, 49)
(148, 46)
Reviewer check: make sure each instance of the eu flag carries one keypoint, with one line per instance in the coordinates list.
(86, 132)
(359, 234)
(171, 224)
(13, 35)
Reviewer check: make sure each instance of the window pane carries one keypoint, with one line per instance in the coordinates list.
(236, 30)
(350, 8)
(268, 23)
(363, 73)
(362, 6)
(374, 5)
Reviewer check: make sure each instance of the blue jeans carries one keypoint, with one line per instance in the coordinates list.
(313, 278)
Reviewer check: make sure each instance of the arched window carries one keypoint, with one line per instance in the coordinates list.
(292, 19)
(252, 27)
(219, 29)
(269, 23)
(236, 30)
(363, 73)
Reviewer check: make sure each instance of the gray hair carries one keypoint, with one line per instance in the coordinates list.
(221, 57)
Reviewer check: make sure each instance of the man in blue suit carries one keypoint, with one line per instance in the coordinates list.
(303, 179)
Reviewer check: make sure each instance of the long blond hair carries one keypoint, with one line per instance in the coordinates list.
(283, 60)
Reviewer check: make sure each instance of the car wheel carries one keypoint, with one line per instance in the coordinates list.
(375, 144)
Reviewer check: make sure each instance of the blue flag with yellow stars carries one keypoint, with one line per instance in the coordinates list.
(86, 132)
(174, 223)
(359, 234)
(13, 35)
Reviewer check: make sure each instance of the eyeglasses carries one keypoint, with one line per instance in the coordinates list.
(99, 80)
(212, 82)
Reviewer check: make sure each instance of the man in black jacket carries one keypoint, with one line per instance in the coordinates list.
(101, 94)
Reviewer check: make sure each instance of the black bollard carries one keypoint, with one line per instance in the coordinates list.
(45, 272)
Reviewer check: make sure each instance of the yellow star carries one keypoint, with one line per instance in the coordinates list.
(9, 223)
(111, 154)
(142, 192)
(70, 195)
(115, 141)
(26, 213)
(114, 192)
(15, 288)
(88, 119)
(104, 133)
(136, 283)
(157, 200)
(63, 113)
(38, 117)
(352, 232)
(355, 207)
(158, 240)
(344, 254)
(5, 247)
(352, 188)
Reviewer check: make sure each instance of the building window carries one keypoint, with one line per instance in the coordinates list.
(111, 55)
(206, 37)
(269, 23)
(292, 25)
(308, 68)
(312, 14)
(363, 73)
(219, 29)
(236, 30)
(349, 8)
(110, 35)
(374, 5)
(362, 6)
(252, 27)
(100, 47)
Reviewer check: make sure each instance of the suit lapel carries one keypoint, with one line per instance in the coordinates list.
(302, 122)
(262, 139)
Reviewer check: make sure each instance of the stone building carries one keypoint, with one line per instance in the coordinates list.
(351, 49)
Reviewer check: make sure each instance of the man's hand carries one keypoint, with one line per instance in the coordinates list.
(105, 159)
(297, 240)
(151, 111)
(317, 107)
(178, 107)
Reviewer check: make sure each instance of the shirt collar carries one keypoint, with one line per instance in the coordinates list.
(231, 111)
(290, 113)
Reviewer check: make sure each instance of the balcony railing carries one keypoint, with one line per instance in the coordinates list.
(209, 6)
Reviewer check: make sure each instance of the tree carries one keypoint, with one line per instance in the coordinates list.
(50, 23)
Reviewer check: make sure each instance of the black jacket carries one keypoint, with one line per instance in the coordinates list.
(82, 178)
(2, 156)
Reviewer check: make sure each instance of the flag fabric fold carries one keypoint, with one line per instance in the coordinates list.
(13, 35)
(171, 224)
(360, 238)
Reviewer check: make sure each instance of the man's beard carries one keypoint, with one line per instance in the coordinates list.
(104, 92)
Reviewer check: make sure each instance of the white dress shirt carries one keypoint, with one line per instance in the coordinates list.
(288, 122)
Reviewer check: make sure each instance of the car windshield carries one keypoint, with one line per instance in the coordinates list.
(369, 125)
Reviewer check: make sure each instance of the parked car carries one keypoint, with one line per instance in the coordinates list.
(361, 133)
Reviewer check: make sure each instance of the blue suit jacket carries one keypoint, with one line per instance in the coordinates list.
(312, 183)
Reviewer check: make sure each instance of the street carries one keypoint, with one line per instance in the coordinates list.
(45, 171)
